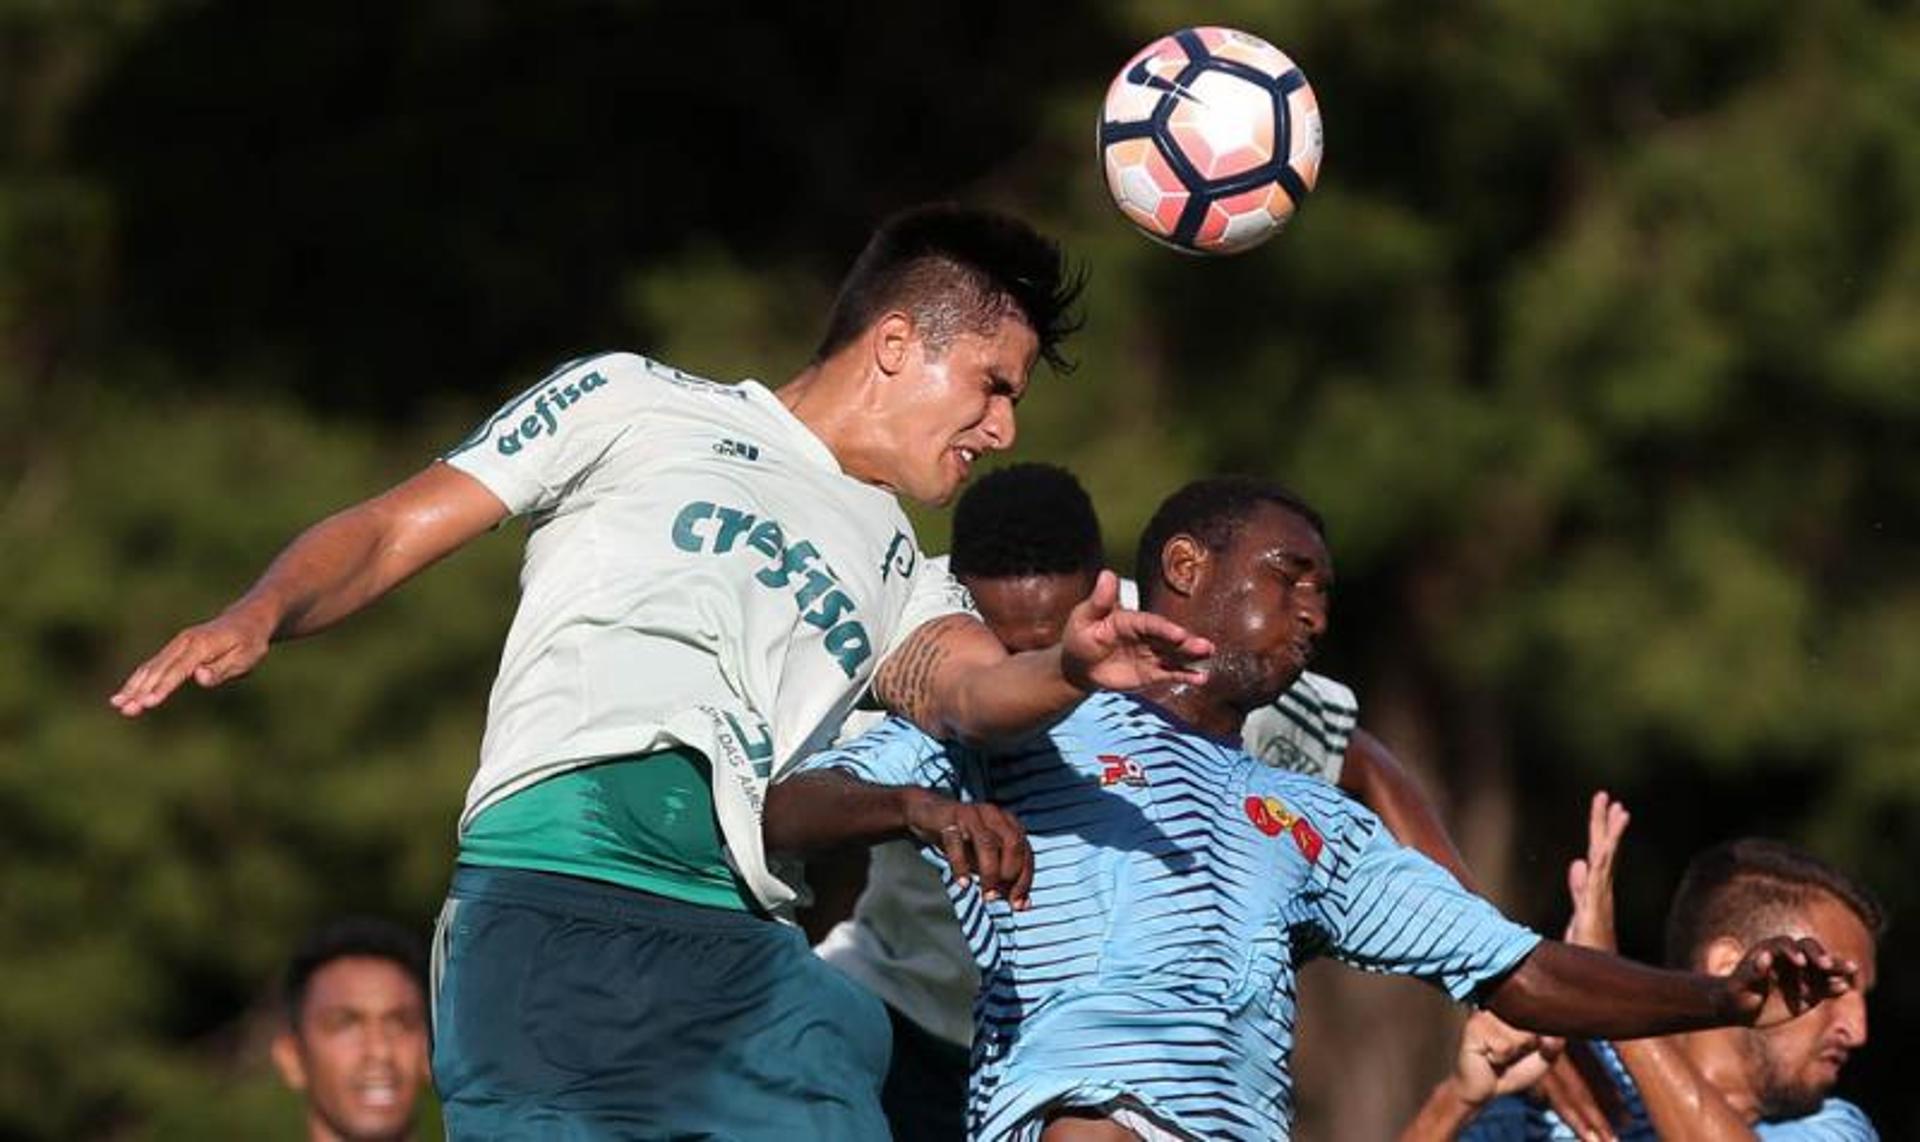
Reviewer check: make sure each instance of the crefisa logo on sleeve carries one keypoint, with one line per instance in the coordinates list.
(544, 420)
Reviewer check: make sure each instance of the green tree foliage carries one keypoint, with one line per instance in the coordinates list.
(1596, 345)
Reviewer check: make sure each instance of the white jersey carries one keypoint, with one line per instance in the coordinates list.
(902, 942)
(698, 572)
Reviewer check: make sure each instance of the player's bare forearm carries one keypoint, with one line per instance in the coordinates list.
(328, 572)
(1563, 990)
(351, 559)
(826, 809)
(954, 680)
(1374, 776)
(1681, 1104)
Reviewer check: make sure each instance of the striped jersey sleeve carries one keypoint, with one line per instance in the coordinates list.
(1306, 729)
(895, 752)
(1837, 1120)
(1387, 908)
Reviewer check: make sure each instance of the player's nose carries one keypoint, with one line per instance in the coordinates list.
(1000, 424)
(1312, 614)
(1850, 1019)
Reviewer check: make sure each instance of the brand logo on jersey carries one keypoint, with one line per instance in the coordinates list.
(901, 556)
(1271, 816)
(547, 407)
(799, 567)
(1283, 754)
(739, 448)
(1118, 770)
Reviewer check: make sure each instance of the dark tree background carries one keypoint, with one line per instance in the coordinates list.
(1596, 344)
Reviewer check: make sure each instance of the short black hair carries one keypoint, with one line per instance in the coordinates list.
(352, 936)
(956, 269)
(1025, 519)
(1750, 889)
(1211, 510)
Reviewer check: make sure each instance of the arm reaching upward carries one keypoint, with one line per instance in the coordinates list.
(1682, 1105)
(331, 570)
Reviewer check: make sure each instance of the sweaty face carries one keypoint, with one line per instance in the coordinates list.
(360, 1051)
(1800, 1060)
(951, 406)
(1028, 612)
(1263, 601)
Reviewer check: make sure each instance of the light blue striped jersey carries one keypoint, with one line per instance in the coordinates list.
(1518, 1119)
(1177, 884)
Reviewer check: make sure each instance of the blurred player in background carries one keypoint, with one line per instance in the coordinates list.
(713, 575)
(1027, 546)
(1737, 1082)
(1137, 971)
(355, 1040)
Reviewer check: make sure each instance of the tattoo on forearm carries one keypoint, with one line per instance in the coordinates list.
(905, 682)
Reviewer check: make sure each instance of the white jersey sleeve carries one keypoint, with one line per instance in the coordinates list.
(552, 436)
(1305, 730)
(936, 594)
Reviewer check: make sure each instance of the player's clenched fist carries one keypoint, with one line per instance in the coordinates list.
(213, 652)
(979, 841)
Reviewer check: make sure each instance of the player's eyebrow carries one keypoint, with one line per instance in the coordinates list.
(1004, 384)
(1299, 565)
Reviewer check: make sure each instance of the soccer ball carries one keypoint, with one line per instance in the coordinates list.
(1210, 138)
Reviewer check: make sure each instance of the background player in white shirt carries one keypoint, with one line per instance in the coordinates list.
(713, 575)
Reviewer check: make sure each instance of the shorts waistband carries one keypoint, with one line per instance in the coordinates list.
(564, 895)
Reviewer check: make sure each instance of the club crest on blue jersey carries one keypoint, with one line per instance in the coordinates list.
(1271, 816)
(1118, 770)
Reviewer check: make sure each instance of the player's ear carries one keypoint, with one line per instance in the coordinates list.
(286, 1060)
(1722, 956)
(892, 340)
(1183, 561)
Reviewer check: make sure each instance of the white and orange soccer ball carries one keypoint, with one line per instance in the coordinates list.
(1210, 138)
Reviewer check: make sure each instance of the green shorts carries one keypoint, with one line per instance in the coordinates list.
(571, 1008)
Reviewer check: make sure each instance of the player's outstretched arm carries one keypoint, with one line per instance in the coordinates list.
(1493, 1060)
(328, 572)
(826, 809)
(1681, 1104)
(953, 679)
(1374, 776)
(1560, 989)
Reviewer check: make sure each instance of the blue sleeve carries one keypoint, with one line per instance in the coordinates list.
(895, 752)
(1387, 908)
(1836, 1121)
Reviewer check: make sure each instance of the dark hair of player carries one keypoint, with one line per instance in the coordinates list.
(1211, 510)
(1025, 519)
(957, 270)
(348, 937)
(1750, 889)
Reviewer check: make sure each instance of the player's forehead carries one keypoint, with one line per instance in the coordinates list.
(1029, 596)
(1006, 346)
(1841, 931)
(361, 983)
(1274, 532)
